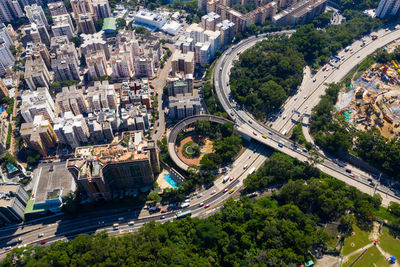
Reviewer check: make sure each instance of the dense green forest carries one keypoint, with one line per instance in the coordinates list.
(226, 143)
(275, 230)
(266, 74)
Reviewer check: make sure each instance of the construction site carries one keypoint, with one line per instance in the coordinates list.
(373, 100)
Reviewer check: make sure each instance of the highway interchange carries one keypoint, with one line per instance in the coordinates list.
(55, 229)
(306, 98)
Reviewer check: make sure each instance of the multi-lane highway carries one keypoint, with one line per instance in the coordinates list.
(62, 229)
(310, 92)
(307, 97)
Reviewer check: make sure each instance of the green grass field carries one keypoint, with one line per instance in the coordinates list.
(388, 243)
(359, 239)
(371, 258)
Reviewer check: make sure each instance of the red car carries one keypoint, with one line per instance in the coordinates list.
(254, 133)
(43, 242)
(231, 179)
(225, 190)
(164, 211)
(206, 206)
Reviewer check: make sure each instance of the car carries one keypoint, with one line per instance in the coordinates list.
(254, 133)
(40, 235)
(225, 190)
(327, 69)
(314, 80)
(131, 223)
(295, 99)
(270, 133)
(162, 217)
(199, 195)
(372, 184)
(201, 204)
(352, 175)
(43, 242)
(164, 211)
(369, 180)
(121, 218)
(325, 76)
(280, 145)
(231, 179)
(305, 97)
(8, 248)
(348, 170)
(231, 191)
(213, 192)
(250, 121)
(206, 206)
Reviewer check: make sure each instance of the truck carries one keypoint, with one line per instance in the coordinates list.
(14, 242)
(226, 178)
(184, 205)
(252, 170)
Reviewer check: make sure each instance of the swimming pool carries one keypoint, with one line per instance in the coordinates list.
(171, 181)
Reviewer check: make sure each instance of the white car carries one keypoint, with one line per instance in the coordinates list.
(213, 192)
(201, 204)
(41, 235)
(131, 223)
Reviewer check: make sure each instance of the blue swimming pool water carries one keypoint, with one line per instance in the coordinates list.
(171, 181)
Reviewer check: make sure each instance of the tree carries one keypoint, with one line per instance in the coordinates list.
(121, 23)
(346, 224)
(154, 196)
(140, 30)
(33, 157)
(76, 40)
(99, 24)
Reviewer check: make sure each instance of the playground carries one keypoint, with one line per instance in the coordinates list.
(192, 148)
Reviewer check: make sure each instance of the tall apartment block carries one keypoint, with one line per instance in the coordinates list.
(65, 69)
(62, 25)
(180, 85)
(182, 62)
(3, 89)
(71, 99)
(388, 8)
(300, 13)
(183, 105)
(102, 8)
(35, 14)
(227, 30)
(57, 8)
(86, 23)
(210, 20)
(144, 67)
(82, 7)
(106, 170)
(97, 64)
(6, 57)
(38, 33)
(94, 42)
(101, 96)
(5, 35)
(36, 74)
(37, 102)
(13, 200)
(38, 50)
(39, 135)
(72, 130)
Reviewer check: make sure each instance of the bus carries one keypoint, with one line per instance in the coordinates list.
(252, 170)
(183, 214)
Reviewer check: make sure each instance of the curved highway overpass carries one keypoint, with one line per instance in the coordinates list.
(56, 229)
(182, 125)
(272, 137)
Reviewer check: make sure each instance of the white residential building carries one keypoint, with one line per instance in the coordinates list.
(37, 102)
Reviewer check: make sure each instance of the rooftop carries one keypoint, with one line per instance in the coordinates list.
(7, 193)
(91, 159)
(110, 24)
